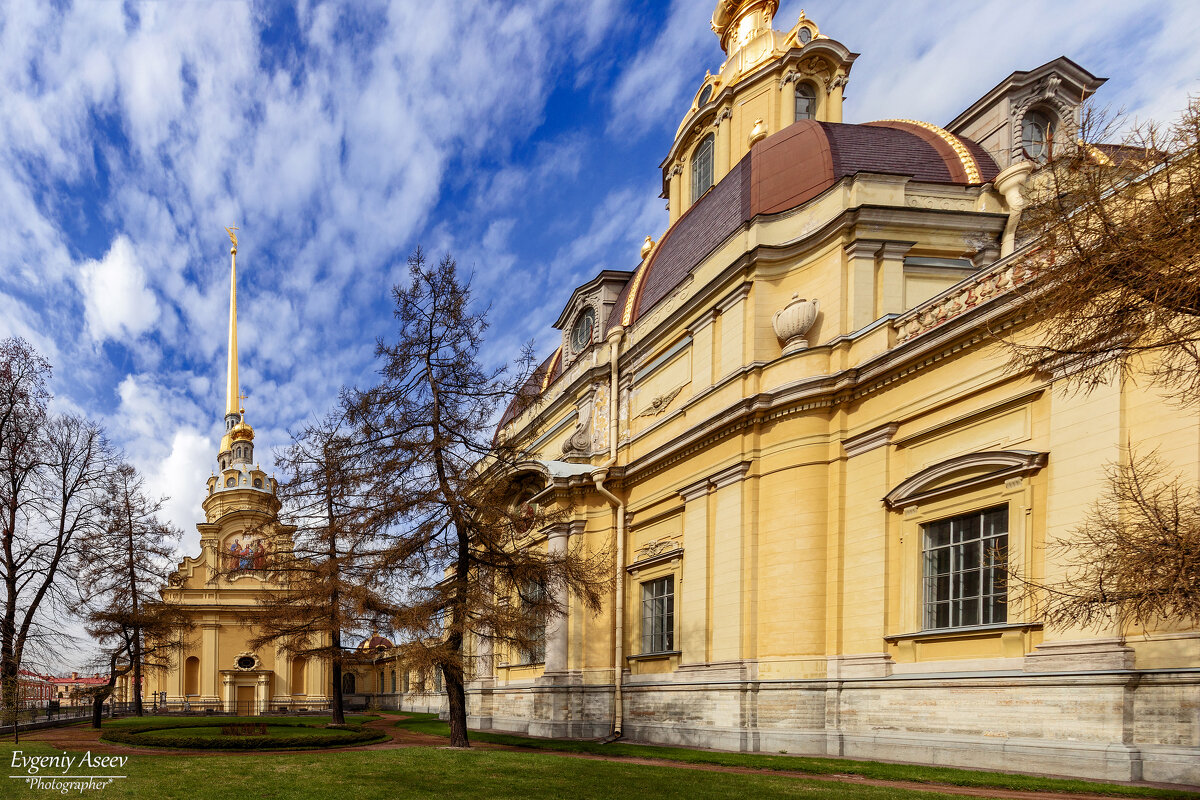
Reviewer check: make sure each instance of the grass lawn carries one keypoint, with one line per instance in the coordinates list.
(428, 723)
(422, 772)
(127, 722)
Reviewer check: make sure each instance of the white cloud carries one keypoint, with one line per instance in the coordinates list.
(180, 477)
(116, 299)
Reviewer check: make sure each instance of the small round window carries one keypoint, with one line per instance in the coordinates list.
(258, 483)
(705, 95)
(804, 35)
(581, 331)
(231, 481)
(246, 662)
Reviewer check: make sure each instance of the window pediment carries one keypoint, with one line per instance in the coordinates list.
(962, 472)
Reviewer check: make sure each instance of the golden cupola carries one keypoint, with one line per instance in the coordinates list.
(770, 79)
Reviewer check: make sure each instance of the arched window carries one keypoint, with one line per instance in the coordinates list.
(348, 683)
(1037, 135)
(702, 168)
(393, 681)
(191, 676)
(806, 102)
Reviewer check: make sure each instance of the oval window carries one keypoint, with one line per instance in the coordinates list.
(1037, 135)
(246, 662)
(581, 331)
(231, 481)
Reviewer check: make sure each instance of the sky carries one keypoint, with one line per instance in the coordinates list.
(523, 138)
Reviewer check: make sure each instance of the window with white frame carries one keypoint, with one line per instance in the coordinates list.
(806, 102)
(658, 615)
(965, 569)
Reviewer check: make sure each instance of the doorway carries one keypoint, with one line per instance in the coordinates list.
(245, 701)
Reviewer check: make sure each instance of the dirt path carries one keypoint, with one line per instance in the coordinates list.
(84, 737)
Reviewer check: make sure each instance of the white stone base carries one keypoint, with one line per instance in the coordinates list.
(1114, 725)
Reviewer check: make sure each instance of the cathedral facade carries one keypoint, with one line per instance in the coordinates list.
(791, 424)
(221, 587)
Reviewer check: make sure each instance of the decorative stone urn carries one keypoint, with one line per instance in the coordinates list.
(792, 322)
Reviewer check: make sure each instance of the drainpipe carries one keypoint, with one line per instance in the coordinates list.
(614, 342)
(619, 604)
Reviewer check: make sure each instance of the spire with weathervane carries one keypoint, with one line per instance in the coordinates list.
(237, 445)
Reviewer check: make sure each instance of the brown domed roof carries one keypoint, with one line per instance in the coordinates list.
(376, 642)
(783, 171)
(790, 168)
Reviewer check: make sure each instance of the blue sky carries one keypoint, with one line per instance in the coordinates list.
(523, 138)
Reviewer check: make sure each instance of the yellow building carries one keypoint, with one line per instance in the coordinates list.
(221, 587)
(793, 426)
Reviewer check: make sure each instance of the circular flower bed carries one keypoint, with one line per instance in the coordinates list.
(211, 734)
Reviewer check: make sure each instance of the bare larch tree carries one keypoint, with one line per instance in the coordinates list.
(124, 564)
(1111, 232)
(456, 559)
(324, 584)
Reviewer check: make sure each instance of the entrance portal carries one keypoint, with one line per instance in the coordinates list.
(245, 701)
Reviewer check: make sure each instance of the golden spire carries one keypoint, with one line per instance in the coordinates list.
(232, 390)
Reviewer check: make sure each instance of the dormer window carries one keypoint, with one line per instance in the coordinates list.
(581, 331)
(702, 168)
(806, 102)
(1037, 135)
(231, 481)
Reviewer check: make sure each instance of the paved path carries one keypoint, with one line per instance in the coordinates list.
(84, 737)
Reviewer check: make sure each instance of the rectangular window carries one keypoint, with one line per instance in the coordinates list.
(965, 560)
(658, 615)
(531, 598)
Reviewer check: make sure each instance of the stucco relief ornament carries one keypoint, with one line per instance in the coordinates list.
(579, 443)
(793, 321)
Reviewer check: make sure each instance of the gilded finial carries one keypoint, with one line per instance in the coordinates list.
(232, 237)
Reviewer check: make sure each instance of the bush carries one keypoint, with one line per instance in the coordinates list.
(175, 736)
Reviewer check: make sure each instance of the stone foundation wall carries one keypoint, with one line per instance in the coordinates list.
(1118, 725)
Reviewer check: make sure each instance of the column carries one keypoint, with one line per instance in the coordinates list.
(556, 623)
(727, 552)
(283, 674)
(891, 268)
(860, 285)
(261, 696)
(703, 355)
(732, 330)
(229, 697)
(210, 674)
(693, 611)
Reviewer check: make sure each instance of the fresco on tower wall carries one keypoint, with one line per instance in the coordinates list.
(245, 552)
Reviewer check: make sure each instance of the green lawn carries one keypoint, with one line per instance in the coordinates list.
(428, 723)
(422, 772)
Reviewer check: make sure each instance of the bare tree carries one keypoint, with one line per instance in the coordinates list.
(1134, 560)
(1112, 234)
(326, 582)
(457, 556)
(123, 566)
(52, 471)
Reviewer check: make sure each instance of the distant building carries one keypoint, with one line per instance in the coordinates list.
(34, 689)
(73, 689)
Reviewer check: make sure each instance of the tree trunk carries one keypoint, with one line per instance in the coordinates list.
(339, 714)
(10, 693)
(97, 710)
(457, 697)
